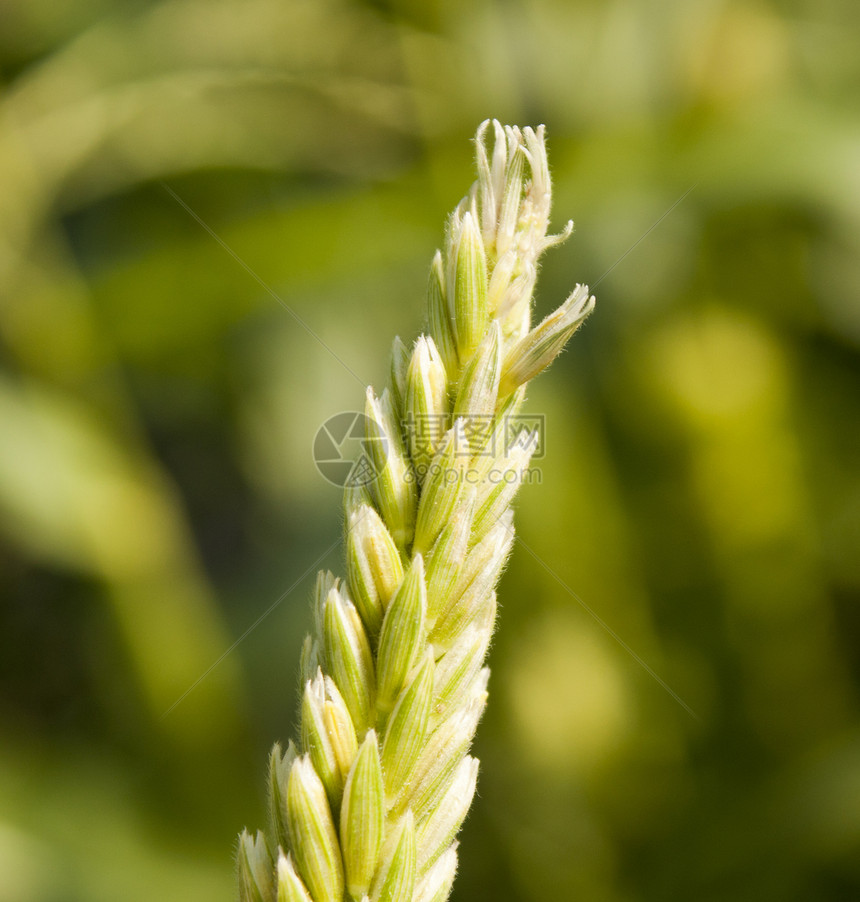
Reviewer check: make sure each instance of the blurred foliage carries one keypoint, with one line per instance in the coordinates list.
(697, 528)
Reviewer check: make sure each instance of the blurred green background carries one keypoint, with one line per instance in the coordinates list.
(701, 489)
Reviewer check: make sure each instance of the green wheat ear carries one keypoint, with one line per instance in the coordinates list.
(370, 802)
